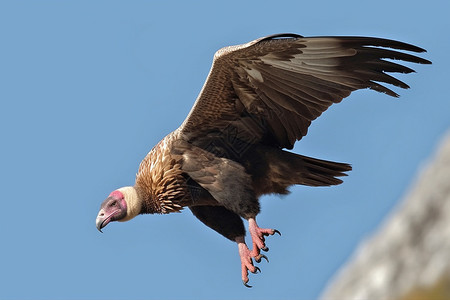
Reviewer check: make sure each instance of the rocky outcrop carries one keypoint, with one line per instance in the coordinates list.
(412, 249)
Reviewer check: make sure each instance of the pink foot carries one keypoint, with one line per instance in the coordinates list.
(258, 240)
(246, 255)
(246, 260)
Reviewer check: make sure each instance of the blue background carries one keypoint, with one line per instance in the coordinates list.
(88, 87)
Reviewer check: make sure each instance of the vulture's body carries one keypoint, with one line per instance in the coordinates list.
(259, 98)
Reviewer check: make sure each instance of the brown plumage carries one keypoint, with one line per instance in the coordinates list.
(259, 98)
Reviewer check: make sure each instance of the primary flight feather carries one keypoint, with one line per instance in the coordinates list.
(259, 98)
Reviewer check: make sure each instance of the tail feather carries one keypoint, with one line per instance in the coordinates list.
(319, 172)
(285, 168)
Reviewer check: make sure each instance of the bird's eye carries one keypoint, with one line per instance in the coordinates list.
(114, 203)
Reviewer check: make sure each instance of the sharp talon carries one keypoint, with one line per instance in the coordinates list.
(265, 249)
(258, 258)
(263, 256)
(257, 270)
(276, 231)
(245, 283)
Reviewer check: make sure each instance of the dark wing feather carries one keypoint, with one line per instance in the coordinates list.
(222, 220)
(269, 90)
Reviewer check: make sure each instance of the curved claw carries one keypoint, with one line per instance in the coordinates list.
(258, 258)
(246, 285)
(276, 231)
(257, 270)
(263, 256)
(265, 249)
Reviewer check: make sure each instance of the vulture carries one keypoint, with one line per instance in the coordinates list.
(258, 100)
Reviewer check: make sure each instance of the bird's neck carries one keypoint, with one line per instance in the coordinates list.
(133, 200)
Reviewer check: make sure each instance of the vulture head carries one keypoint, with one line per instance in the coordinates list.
(121, 205)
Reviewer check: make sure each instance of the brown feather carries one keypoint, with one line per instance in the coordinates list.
(160, 180)
(292, 73)
(258, 98)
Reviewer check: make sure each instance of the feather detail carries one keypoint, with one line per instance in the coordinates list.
(284, 82)
(162, 181)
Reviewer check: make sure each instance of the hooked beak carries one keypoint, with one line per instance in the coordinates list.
(103, 219)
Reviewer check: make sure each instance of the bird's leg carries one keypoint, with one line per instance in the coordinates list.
(258, 235)
(246, 260)
(246, 254)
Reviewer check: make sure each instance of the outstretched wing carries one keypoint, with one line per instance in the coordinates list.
(269, 90)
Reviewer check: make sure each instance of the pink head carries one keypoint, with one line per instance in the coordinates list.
(114, 208)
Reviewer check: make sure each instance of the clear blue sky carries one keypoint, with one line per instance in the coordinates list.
(88, 87)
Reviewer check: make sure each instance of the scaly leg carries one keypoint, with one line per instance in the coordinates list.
(246, 255)
(258, 239)
(246, 260)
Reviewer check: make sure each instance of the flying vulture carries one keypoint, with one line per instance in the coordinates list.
(259, 98)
